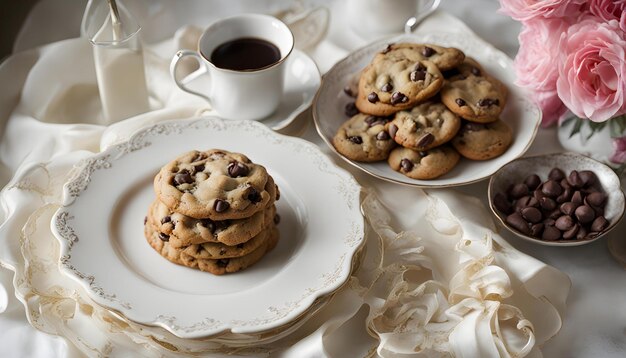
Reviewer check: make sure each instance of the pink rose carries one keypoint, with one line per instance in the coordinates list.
(536, 60)
(551, 107)
(524, 10)
(619, 153)
(592, 69)
(608, 10)
(622, 22)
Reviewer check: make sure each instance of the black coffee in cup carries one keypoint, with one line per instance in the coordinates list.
(245, 54)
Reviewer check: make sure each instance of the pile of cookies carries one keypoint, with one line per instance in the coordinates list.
(421, 107)
(214, 211)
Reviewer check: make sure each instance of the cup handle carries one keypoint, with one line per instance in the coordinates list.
(203, 70)
(411, 24)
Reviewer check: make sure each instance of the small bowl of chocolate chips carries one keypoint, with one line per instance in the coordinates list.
(562, 199)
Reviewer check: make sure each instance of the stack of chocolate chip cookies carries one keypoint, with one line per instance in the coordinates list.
(214, 211)
(421, 107)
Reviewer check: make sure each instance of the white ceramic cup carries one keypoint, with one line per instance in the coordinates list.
(380, 17)
(246, 94)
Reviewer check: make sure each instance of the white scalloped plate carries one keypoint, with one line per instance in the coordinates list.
(100, 228)
(520, 113)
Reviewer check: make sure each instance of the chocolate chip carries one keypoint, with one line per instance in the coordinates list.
(276, 219)
(588, 177)
(387, 87)
(460, 102)
(426, 140)
(549, 222)
(551, 188)
(556, 174)
(422, 154)
(253, 195)
(198, 168)
(475, 71)
(565, 184)
(387, 49)
(522, 203)
(502, 204)
(369, 120)
(486, 102)
(566, 195)
(531, 214)
(547, 203)
(582, 233)
(427, 51)
(356, 139)
(145, 220)
(350, 109)
(596, 199)
(600, 223)
(554, 214)
(237, 169)
(550, 233)
(382, 136)
(584, 214)
(518, 190)
(164, 237)
(532, 181)
(517, 222)
(378, 121)
(183, 178)
(417, 76)
(348, 90)
(577, 198)
(393, 129)
(564, 223)
(222, 262)
(221, 205)
(166, 219)
(536, 229)
(209, 224)
(419, 67)
(240, 246)
(571, 233)
(568, 208)
(406, 165)
(398, 97)
(372, 97)
(575, 180)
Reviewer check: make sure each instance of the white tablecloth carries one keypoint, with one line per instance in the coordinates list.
(594, 323)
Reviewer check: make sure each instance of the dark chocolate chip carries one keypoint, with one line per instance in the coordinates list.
(518, 190)
(237, 169)
(522, 203)
(531, 214)
(198, 168)
(379, 121)
(596, 199)
(549, 222)
(406, 164)
(565, 184)
(426, 140)
(350, 109)
(222, 262)
(369, 120)
(393, 129)
(460, 102)
(575, 180)
(356, 139)
(208, 223)
(387, 87)
(486, 102)
(532, 181)
(582, 233)
(276, 219)
(502, 204)
(550, 233)
(419, 67)
(164, 237)
(145, 220)
(555, 214)
(584, 214)
(253, 195)
(588, 177)
(600, 223)
(166, 219)
(577, 198)
(536, 229)
(422, 154)
(387, 49)
(556, 174)
(547, 203)
(518, 223)
(372, 97)
(551, 188)
(427, 51)
(382, 136)
(568, 208)
(564, 223)
(221, 205)
(566, 195)
(571, 233)
(183, 178)
(417, 76)
(398, 97)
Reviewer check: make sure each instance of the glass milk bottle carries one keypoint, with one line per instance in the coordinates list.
(118, 58)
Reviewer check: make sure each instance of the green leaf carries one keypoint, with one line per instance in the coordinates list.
(595, 127)
(577, 125)
(618, 126)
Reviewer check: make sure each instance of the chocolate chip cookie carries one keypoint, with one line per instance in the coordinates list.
(473, 94)
(214, 184)
(390, 84)
(364, 138)
(425, 126)
(482, 141)
(445, 58)
(423, 165)
(183, 230)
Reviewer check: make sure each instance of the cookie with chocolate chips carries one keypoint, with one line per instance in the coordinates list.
(445, 58)
(473, 94)
(392, 83)
(215, 266)
(482, 141)
(364, 138)
(423, 165)
(214, 184)
(183, 230)
(425, 126)
(216, 250)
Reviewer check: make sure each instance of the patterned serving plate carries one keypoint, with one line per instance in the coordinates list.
(100, 227)
(520, 113)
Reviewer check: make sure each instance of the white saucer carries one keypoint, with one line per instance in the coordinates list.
(302, 81)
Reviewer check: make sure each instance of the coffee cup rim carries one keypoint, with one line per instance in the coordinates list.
(256, 70)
